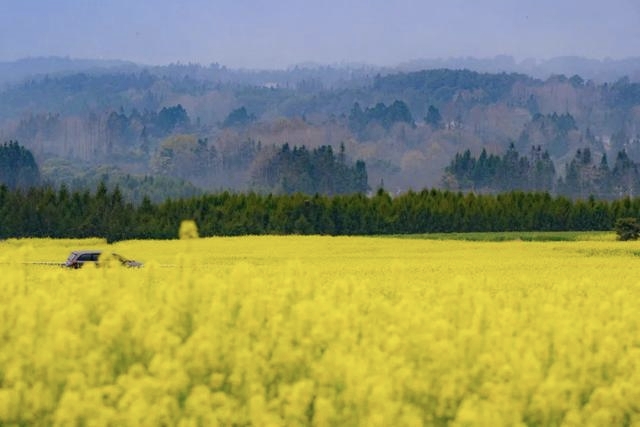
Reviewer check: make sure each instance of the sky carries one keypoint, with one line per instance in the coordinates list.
(271, 34)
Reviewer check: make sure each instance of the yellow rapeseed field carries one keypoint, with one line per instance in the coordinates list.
(322, 331)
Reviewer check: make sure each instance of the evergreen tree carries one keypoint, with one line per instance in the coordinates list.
(542, 173)
(398, 112)
(170, 119)
(238, 118)
(317, 171)
(433, 118)
(18, 168)
(624, 176)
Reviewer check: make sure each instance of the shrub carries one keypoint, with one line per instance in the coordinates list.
(627, 228)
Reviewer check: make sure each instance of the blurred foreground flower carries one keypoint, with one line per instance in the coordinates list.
(188, 230)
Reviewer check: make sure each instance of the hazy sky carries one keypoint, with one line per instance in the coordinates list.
(279, 33)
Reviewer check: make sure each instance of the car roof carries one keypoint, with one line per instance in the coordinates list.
(86, 251)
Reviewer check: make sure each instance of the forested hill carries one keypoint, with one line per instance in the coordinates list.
(441, 86)
(405, 127)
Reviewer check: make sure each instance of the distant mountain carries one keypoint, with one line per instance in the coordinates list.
(600, 71)
(333, 75)
(15, 71)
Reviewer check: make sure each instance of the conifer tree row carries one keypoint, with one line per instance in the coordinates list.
(584, 175)
(45, 212)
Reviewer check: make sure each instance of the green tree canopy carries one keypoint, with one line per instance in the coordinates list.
(18, 168)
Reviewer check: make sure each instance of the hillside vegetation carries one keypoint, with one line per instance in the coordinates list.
(199, 125)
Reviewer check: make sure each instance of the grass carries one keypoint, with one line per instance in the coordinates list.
(528, 236)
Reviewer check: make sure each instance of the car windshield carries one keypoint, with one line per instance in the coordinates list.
(72, 257)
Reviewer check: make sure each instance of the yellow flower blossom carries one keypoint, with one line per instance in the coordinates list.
(322, 331)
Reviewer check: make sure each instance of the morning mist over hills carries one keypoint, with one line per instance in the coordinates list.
(175, 98)
(598, 70)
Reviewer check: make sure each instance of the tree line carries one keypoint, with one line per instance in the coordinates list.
(189, 159)
(46, 212)
(584, 175)
(495, 173)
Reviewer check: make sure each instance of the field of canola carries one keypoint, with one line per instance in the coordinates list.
(323, 331)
